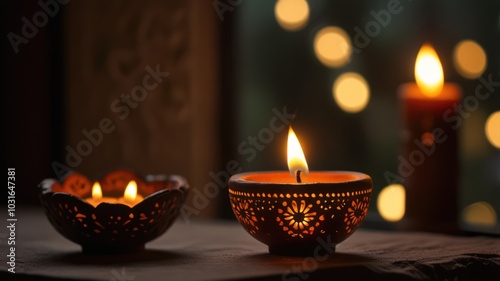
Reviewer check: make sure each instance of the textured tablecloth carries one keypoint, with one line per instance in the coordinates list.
(224, 251)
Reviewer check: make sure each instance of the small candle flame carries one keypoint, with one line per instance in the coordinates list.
(130, 191)
(296, 159)
(96, 191)
(429, 72)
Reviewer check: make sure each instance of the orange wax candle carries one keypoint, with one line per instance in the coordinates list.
(429, 165)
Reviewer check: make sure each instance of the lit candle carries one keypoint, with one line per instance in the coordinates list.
(97, 198)
(297, 164)
(130, 196)
(428, 167)
(290, 211)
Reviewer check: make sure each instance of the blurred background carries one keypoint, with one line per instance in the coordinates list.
(222, 72)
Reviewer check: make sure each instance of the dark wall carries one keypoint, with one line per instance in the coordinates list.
(33, 112)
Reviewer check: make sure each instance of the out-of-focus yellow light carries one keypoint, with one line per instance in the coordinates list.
(429, 71)
(391, 202)
(480, 213)
(332, 46)
(469, 59)
(351, 92)
(492, 129)
(291, 14)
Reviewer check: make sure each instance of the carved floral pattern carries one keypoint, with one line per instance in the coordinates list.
(298, 219)
(355, 214)
(298, 215)
(245, 214)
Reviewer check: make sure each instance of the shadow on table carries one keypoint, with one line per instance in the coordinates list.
(145, 256)
(333, 260)
(339, 266)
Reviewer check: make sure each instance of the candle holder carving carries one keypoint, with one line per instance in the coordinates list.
(111, 228)
(291, 218)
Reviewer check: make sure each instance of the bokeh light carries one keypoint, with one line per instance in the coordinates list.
(291, 14)
(427, 139)
(492, 129)
(332, 46)
(481, 214)
(391, 202)
(469, 59)
(351, 92)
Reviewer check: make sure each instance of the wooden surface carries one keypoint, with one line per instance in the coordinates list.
(215, 250)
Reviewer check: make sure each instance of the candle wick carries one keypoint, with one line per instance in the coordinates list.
(297, 175)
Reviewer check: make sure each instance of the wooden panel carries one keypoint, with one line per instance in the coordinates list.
(114, 49)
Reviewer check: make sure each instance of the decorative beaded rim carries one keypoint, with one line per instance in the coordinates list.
(295, 215)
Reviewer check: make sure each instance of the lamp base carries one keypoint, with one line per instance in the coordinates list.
(299, 251)
(95, 250)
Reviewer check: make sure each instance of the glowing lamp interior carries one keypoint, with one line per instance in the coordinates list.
(296, 158)
(131, 191)
(96, 191)
(429, 72)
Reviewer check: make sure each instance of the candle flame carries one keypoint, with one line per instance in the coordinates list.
(130, 191)
(96, 191)
(296, 159)
(429, 72)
